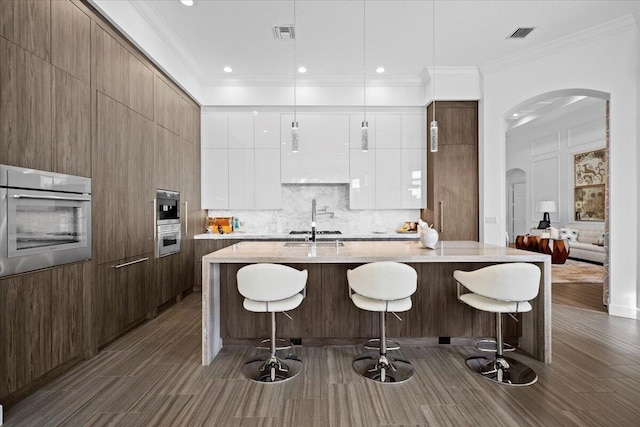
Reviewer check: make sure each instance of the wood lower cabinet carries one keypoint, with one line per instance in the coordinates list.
(41, 324)
(167, 278)
(452, 172)
(123, 295)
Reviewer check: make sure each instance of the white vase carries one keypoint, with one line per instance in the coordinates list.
(428, 237)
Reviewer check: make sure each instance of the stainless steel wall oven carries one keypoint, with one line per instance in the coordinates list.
(46, 219)
(167, 222)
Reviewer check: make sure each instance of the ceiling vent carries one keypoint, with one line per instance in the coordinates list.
(284, 32)
(521, 33)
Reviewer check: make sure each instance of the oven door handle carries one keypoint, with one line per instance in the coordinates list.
(69, 198)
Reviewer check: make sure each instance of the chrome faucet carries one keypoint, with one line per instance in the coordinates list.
(313, 220)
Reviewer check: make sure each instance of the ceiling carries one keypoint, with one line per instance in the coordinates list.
(213, 34)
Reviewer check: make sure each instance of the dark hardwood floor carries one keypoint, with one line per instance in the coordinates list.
(153, 377)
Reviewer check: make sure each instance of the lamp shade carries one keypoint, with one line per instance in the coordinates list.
(547, 206)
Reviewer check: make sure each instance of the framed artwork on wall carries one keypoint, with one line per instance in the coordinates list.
(590, 168)
(589, 202)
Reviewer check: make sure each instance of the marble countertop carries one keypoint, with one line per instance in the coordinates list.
(369, 251)
(302, 237)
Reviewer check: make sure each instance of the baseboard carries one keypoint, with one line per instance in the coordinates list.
(629, 312)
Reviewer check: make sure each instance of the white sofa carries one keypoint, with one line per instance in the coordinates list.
(584, 243)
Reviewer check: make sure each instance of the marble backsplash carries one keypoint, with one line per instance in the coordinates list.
(296, 213)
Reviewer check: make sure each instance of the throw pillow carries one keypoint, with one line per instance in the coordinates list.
(600, 240)
(569, 234)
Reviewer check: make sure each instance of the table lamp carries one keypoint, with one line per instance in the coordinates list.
(546, 206)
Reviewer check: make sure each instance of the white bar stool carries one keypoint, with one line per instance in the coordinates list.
(382, 287)
(272, 288)
(501, 288)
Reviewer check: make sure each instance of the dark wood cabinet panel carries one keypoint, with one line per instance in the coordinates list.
(27, 23)
(166, 106)
(188, 120)
(140, 190)
(167, 159)
(140, 87)
(71, 111)
(67, 313)
(71, 39)
(110, 63)
(452, 173)
(109, 183)
(122, 295)
(187, 274)
(25, 108)
(167, 278)
(457, 122)
(25, 329)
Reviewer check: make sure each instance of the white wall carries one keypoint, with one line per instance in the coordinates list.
(544, 149)
(608, 63)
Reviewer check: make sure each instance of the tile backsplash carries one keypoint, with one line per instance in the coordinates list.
(296, 213)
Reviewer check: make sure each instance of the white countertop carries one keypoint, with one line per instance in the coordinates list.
(320, 237)
(369, 251)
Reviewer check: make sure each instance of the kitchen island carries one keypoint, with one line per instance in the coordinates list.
(327, 315)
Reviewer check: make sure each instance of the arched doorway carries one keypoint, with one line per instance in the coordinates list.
(556, 131)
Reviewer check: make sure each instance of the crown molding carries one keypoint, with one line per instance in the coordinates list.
(617, 26)
(163, 31)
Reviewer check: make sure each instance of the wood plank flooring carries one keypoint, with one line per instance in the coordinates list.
(152, 377)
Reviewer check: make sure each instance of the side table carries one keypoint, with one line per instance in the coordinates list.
(557, 248)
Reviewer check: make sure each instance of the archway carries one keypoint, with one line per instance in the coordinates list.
(556, 131)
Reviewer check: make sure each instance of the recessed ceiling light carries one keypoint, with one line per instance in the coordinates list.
(380, 70)
(227, 69)
(515, 114)
(255, 113)
(302, 70)
(187, 2)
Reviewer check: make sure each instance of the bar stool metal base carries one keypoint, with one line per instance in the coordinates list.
(503, 370)
(491, 346)
(266, 368)
(382, 368)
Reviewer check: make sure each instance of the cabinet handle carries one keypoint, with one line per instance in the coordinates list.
(130, 263)
(155, 212)
(441, 216)
(186, 218)
(83, 198)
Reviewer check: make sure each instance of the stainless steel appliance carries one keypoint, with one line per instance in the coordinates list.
(167, 222)
(46, 219)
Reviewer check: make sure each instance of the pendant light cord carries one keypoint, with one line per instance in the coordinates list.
(433, 77)
(364, 60)
(294, 62)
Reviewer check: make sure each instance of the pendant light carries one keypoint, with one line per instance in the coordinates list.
(365, 124)
(433, 141)
(294, 125)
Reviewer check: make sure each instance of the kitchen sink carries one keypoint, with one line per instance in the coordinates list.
(310, 244)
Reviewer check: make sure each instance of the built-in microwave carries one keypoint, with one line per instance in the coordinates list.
(46, 219)
(168, 207)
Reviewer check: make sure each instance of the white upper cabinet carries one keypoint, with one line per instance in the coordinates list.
(267, 131)
(388, 178)
(241, 134)
(414, 131)
(241, 178)
(388, 131)
(362, 188)
(215, 132)
(323, 155)
(268, 191)
(215, 178)
(413, 178)
(355, 131)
